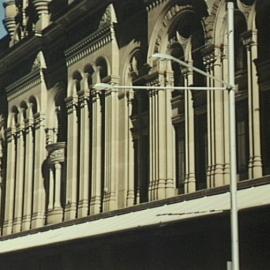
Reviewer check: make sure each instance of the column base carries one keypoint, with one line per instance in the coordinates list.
(70, 212)
(38, 220)
(218, 176)
(190, 183)
(170, 188)
(26, 223)
(83, 209)
(7, 228)
(55, 216)
(130, 198)
(95, 205)
(17, 225)
(110, 202)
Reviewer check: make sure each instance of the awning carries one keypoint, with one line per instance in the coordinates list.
(208, 205)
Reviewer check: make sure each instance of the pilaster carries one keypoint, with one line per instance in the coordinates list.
(97, 148)
(84, 154)
(215, 119)
(72, 159)
(10, 182)
(190, 180)
(20, 159)
(130, 199)
(255, 157)
(161, 158)
(111, 152)
(38, 217)
(29, 157)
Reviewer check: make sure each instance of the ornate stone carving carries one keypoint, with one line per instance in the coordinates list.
(56, 152)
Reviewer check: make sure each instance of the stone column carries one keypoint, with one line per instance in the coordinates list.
(224, 61)
(56, 157)
(29, 157)
(51, 189)
(161, 157)
(130, 161)
(95, 204)
(216, 119)
(255, 156)
(20, 159)
(40, 156)
(57, 201)
(2, 167)
(111, 152)
(72, 159)
(152, 145)
(208, 62)
(190, 180)
(170, 140)
(84, 154)
(10, 180)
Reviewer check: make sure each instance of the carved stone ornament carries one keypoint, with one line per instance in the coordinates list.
(56, 152)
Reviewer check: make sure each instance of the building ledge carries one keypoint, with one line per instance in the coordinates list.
(252, 193)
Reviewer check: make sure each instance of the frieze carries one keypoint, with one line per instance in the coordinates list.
(89, 44)
(151, 4)
(25, 83)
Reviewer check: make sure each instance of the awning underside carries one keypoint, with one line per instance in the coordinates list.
(208, 205)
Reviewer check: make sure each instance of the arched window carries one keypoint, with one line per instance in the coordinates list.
(61, 115)
(242, 132)
(263, 65)
(140, 132)
(103, 68)
(187, 38)
(89, 71)
(179, 119)
(77, 77)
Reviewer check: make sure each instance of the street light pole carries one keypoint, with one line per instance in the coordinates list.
(233, 173)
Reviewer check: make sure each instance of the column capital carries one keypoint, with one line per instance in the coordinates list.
(39, 120)
(71, 104)
(209, 54)
(84, 97)
(9, 134)
(249, 38)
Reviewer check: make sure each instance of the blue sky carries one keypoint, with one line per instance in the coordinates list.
(2, 29)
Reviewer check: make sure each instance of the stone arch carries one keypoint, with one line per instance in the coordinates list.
(77, 79)
(168, 17)
(103, 67)
(88, 71)
(13, 117)
(262, 24)
(24, 107)
(34, 103)
(60, 116)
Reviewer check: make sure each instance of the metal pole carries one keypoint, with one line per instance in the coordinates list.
(105, 86)
(233, 184)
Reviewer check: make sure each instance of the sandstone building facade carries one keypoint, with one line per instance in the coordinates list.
(86, 174)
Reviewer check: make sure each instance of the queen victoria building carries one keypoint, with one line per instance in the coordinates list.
(135, 177)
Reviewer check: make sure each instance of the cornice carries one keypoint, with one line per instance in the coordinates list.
(25, 83)
(89, 44)
(19, 52)
(151, 4)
